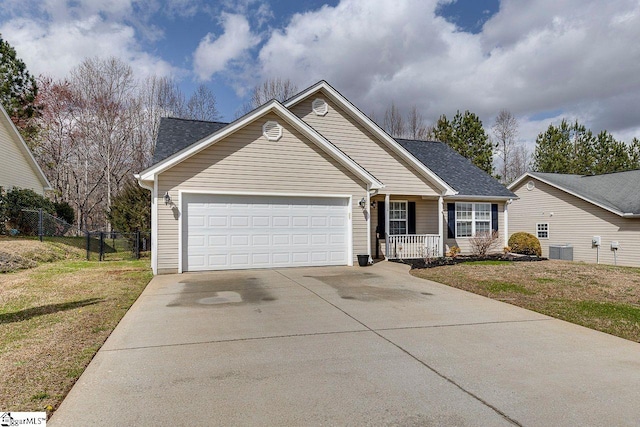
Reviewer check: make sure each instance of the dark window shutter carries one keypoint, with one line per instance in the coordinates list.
(494, 217)
(451, 220)
(411, 218)
(380, 228)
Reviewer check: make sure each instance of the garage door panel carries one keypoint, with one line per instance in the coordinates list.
(262, 231)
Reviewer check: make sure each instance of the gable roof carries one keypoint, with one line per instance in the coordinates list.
(456, 170)
(371, 126)
(22, 146)
(617, 192)
(175, 134)
(276, 107)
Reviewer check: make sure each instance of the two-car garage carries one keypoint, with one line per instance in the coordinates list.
(221, 232)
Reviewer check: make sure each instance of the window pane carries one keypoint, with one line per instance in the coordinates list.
(398, 227)
(483, 211)
(463, 228)
(543, 231)
(483, 227)
(464, 211)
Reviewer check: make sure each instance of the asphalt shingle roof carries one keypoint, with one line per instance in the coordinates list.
(176, 134)
(455, 169)
(618, 191)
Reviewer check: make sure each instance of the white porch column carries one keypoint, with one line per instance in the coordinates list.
(505, 217)
(441, 226)
(386, 225)
(367, 210)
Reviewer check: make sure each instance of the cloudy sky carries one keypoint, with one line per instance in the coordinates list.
(541, 59)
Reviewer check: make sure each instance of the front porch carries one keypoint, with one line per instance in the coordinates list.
(406, 226)
(411, 226)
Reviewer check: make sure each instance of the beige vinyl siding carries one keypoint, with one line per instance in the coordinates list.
(464, 242)
(362, 146)
(15, 169)
(247, 162)
(574, 221)
(426, 218)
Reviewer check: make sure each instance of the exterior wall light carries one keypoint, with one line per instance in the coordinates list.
(167, 198)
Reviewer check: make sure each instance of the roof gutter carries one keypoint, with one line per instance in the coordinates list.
(465, 197)
(630, 215)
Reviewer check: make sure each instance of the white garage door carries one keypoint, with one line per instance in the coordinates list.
(231, 232)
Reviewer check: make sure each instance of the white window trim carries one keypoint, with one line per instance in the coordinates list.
(538, 231)
(473, 218)
(405, 220)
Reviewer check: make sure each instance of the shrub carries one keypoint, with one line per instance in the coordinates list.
(12, 203)
(482, 243)
(65, 211)
(525, 243)
(454, 251)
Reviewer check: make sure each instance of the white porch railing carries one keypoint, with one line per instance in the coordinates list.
(408, 246)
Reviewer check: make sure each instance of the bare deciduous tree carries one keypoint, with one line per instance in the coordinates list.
(505, 131)
(393, 122)
(202, 105)
(272, 88)
(415, 128)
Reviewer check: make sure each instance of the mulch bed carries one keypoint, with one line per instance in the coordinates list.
(439, 262)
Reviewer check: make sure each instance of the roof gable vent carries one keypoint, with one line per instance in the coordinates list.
(320, 106)
(272, 130)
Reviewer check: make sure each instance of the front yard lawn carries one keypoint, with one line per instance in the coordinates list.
(601, 297)
(53, 319)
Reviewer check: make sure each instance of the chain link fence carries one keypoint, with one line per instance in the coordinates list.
(99, 245)
(36, 222)
(115, 246)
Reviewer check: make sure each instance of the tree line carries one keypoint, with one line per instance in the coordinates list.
(563, 148)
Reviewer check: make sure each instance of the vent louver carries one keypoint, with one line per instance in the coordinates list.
(272, 130)
(320, 106)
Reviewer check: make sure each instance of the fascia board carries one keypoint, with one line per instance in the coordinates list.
(579, 196)
(375, 129)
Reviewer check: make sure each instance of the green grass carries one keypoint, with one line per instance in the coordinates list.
(53, 319)
(506, 287)
(545, 280)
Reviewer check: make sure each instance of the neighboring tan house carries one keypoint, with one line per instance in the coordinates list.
(18, 168)
(596, 217)
(311, 181)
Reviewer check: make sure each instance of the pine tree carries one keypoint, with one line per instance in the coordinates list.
(554, 150)
(465, 134)
(18, 90)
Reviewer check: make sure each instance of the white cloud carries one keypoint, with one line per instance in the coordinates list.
(56, 37)
(575, 56)
(216, 54)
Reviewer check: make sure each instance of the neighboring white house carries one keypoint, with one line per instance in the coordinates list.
(18, 168)
(598, 216)
(309, 182)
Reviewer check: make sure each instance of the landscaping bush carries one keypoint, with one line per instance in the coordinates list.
(482, 243)
(525, 243)
(65, 211)
(12, 203)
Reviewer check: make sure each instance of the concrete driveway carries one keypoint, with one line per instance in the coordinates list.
(347, 346)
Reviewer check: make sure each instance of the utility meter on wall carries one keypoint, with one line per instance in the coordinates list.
(595, 241)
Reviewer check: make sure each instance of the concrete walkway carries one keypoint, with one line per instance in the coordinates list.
(347, 346)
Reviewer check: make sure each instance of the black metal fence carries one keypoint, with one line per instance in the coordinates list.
(36, 222)
(113, 245)
(99, 245)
